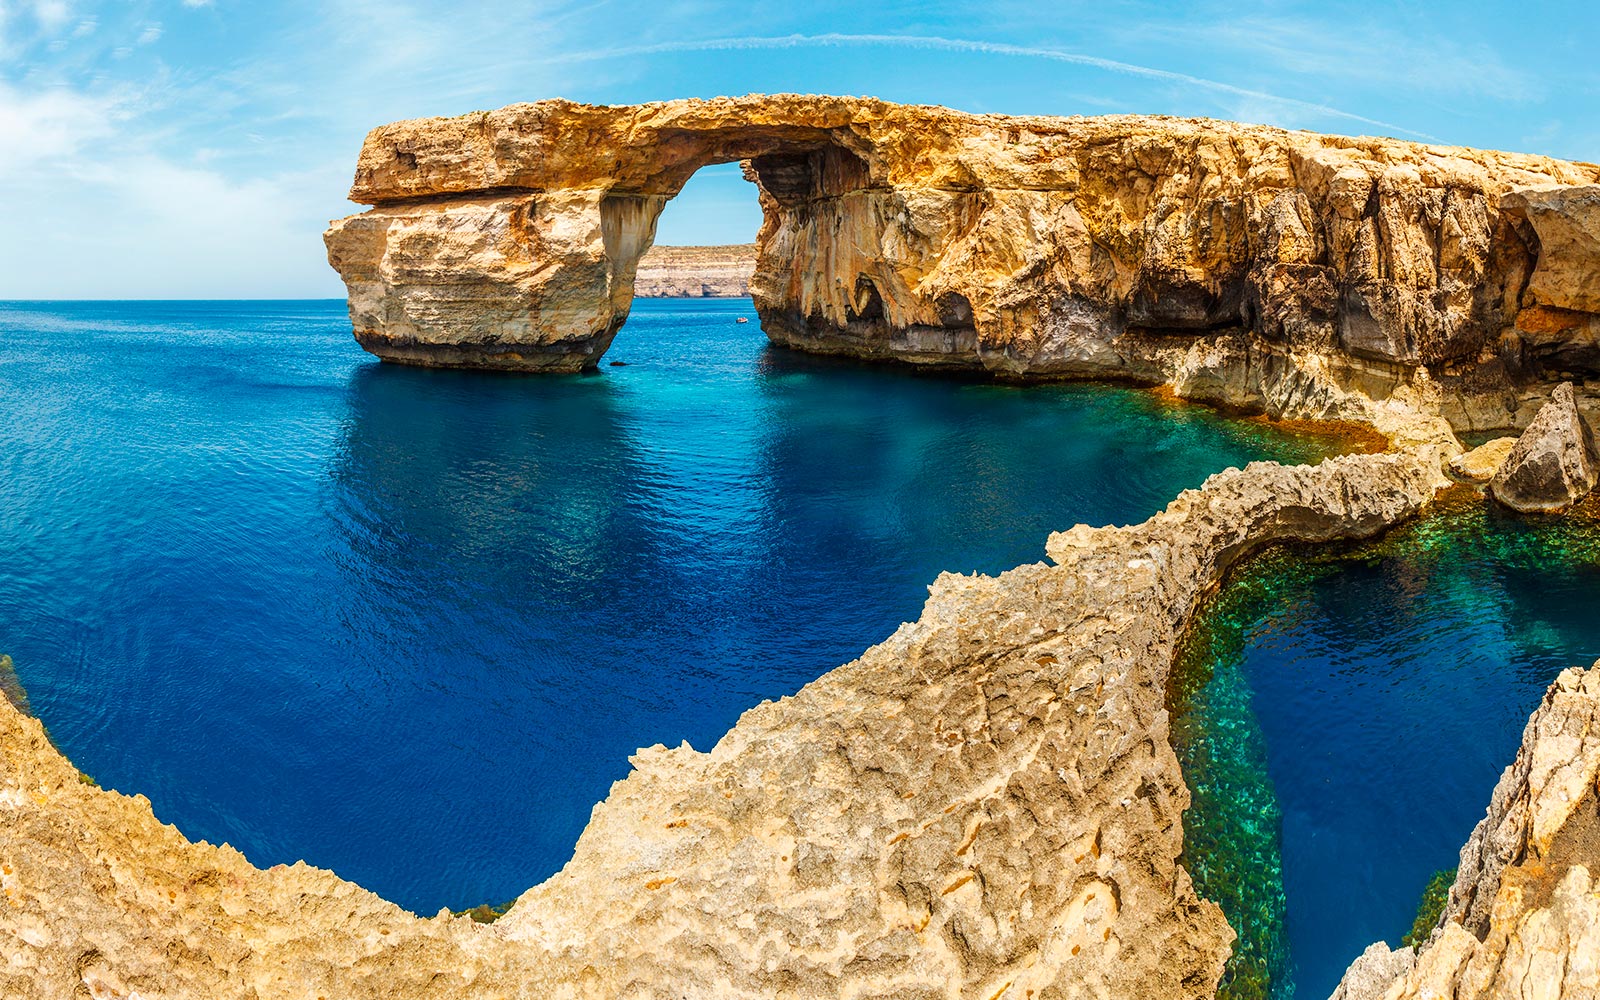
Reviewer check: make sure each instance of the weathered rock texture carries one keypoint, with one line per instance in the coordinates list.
(1553, 464)
(985, 805)
(1481, 463)
(1524, 914)
(695, 272)
(1276, 269)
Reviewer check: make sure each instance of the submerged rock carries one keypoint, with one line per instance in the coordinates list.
(11, 686)
(1523, 919)
(1553, 464)
(1481, 463)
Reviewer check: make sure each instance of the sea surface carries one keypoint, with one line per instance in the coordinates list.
(1343, 714)
(409, 624)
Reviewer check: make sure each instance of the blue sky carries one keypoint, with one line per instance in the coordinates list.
(197, 148)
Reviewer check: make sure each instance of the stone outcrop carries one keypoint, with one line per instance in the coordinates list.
(1524, 914)
(1481, 463)
(1286, 271)
(695, 272)
(1553, 464)
(1560, 319)
(1372, 973)
(984, 805)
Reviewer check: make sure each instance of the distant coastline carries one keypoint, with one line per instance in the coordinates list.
(721, 272)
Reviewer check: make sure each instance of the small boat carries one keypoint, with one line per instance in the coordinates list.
(741, 319)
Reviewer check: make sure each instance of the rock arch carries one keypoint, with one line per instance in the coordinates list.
(1244, 263)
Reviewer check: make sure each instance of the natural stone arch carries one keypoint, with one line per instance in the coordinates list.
(1284, 271)
(535, 269)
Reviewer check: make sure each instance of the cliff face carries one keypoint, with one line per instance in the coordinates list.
(695, 272)
(1278, 269)
(985, 805)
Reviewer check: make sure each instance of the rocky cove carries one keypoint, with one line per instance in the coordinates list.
(988, 803)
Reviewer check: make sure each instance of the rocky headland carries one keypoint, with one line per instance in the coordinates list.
(985, 805)
(695, 272)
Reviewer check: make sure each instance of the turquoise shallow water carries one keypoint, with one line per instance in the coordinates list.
(1343, 715)
(409, 624)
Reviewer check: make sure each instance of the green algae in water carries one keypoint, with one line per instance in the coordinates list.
(1515, 589)
(1232, 829)
(1434, 898)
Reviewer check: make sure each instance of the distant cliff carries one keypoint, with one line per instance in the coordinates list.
(695, 272)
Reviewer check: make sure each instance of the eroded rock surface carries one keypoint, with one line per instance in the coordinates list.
(1481, 463)
(1523, 919)
(1554, 463)
(1275, 269)
(984, 805)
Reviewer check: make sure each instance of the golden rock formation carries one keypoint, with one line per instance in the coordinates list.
(1241, 263)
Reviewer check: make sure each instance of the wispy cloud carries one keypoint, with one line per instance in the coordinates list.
(52, 125)
(52, 14)
(936, 42)
(1366, 52)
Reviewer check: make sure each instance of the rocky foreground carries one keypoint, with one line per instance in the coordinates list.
(984, 805)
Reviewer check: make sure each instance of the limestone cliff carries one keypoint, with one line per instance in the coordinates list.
(695, 272)
(985, 805)
(1283, 270)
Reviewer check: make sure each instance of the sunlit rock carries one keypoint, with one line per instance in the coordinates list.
(1481, 463)
(1553, 464)
(1297, 273)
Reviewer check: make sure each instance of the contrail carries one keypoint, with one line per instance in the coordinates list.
(987, 48)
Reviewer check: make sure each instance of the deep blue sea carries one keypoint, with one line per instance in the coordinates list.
(1343, 716)
(408, 624)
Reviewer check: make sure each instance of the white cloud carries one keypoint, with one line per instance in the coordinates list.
(51, 125)
(195, 4)
(52, 15)
(150, 34)
(95, 207)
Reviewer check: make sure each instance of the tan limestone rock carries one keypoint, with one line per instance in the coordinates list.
(1023, 246)
(1566, 219)
(1481, 463)
(1553, 464)
(695, 272)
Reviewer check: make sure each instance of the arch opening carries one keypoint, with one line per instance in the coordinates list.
(809, 203)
